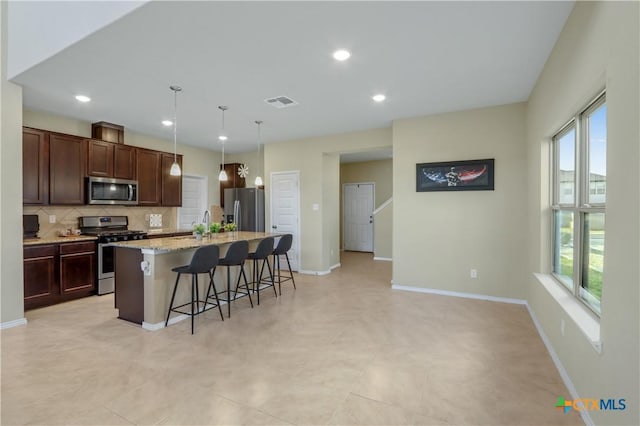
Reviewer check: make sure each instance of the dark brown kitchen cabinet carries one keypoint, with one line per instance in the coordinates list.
(66, 169)
(35, 166)
(233, 179)
(55, 273)
(124, 162)
(77, 269)
(111, 160)
(149, 166)
(100, 158)
(171, 185)
(40, 284)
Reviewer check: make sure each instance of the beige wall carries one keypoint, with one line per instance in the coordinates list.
(306, 156)
(438, 237)
(379, 172)
(598, 48)
(10, 188)
(383, 233)
(331, 203)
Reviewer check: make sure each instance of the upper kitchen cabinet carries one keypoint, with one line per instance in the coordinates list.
(99, 158)
(112, 160)
(124, 162)
(233, 179)
(108, 132)
(171, 185)
(67, 161)
(149, 166)
(35, 166)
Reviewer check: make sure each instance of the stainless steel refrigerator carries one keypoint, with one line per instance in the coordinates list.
(245, 207)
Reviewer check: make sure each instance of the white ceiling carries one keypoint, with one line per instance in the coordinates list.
(427, 57)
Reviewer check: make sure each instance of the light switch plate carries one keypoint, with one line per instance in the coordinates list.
(155, 220)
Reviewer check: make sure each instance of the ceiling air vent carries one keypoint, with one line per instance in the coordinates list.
(281, 102)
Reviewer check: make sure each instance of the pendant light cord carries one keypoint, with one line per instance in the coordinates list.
(175, 125)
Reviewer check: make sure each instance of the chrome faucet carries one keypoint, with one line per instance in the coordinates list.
(207, 219)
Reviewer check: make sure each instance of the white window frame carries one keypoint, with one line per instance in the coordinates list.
(580, 206)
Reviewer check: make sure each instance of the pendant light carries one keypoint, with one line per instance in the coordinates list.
(175, 167)
(258, 181)
(222, 177)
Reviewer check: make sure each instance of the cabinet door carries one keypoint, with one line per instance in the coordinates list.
(35, 166)
(100, 158)
(149, 177)
(171, 185)
(77, 269)
(66, 169)
(40, 285)
(124, 162)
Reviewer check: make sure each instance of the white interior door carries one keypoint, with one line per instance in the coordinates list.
(194, 201)
(358, 216)
(285, 210)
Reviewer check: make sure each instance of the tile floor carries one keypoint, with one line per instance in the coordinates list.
(341, 349)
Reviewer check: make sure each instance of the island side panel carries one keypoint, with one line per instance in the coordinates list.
(129, 284)
(158, 286)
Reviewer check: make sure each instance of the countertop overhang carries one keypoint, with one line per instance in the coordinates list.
(171, 244)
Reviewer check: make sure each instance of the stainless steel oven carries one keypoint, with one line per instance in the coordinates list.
(108, 229)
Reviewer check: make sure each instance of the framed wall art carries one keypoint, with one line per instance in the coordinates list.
(469, 175)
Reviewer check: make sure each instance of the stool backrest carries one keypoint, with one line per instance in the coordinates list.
(284, 245)
(204, 259)
(237, 252)
(265, 248)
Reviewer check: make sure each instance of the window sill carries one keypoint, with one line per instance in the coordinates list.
(580, 314)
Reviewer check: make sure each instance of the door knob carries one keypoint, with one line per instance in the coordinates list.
(274, 227)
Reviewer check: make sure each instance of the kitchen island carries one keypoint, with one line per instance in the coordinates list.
(144, 280)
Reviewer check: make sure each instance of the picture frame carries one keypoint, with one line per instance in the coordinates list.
(467, 175)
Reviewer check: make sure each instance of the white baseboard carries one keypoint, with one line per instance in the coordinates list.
(14, 323)
(459, 294)
(310, 272)
(586, 418)
(337, 265)
(386, 259)
(552, 353)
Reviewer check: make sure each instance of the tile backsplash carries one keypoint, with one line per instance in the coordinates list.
(67, 216)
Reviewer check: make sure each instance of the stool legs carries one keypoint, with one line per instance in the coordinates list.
(258, 276)
(173, 296)
(212, 285)
(276, 261)
(286, 255)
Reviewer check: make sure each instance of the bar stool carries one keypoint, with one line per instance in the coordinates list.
(236, 255)
(284, 245)
(204, 261)
(263, 251)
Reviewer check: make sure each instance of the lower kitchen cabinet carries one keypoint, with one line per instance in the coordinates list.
(40, 284)
(55, 273)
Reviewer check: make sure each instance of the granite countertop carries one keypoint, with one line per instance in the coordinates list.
(169, 244)
(167, 231)
(58, 240)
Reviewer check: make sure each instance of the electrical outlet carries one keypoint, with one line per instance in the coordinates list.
(474, 273)
(52, 218)
(562, 326)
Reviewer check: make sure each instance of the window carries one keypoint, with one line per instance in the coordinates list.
(579, 197)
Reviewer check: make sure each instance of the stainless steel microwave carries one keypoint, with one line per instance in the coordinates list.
(112, 191)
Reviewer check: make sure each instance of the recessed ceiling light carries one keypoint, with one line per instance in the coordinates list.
(83, 98)
(341, 55)
(167, 122)
(379, 97)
